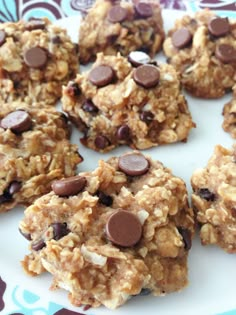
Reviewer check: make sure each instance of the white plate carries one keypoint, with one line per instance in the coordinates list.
(212, 272)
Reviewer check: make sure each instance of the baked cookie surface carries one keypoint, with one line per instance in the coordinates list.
(112, 27)
(229, 113)
(214, 199)
(118, 103)
(203, 49)
(36, 59)
(34, 151)
(108, 234)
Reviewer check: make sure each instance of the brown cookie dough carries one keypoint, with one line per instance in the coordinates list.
(214, 199)
(36, 59)
(112, 27)
(115, 103)
(203, 49)
(125, 229)
(34, 151)
(229, 113)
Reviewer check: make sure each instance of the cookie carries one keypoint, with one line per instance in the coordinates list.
(229, 113)
(118, 26)
(203, 49)
(121, 230)
(35, 150)
(36, 59)
(118, 103)
(214, 199)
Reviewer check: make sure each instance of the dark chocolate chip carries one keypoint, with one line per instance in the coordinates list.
(181, 38)
(206, 194)
(56, 40)
(225, 53)
(133, 164)
(14, 187)
(89, 107)
(26, 235)
(147, 76)
(101, 142)
(104, 199)
(69, 186)
(35, 24)
(59, 230)
(5, 197)
(123, 133)
(219, 27)
(101, 75)
(2, 37)
(117, 14)
(144, 9)
(138, 58)
(144, 292)
(37, 245)
(146, 116)
(18, 121)
(35, 57)
(73, 89)
(123, 228)
(233, 212)
(186, 235)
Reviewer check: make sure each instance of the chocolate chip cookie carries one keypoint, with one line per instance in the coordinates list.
(119, 26)
(36, 59)
(229, 113)
(203, 49)
(121, 230)
(34, 151)
(214, 199)
(128, 101)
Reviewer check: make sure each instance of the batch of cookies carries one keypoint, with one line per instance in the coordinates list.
(126, 227)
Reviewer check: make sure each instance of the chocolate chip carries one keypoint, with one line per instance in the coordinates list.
(219, 27)
(35, 24)
(123, 228)
(2, 37)
(14, 187)
(56, 40)
(233, 212)
(26, 235)
(5, 197)
(181, 38)
(225, 53)
(59, 230)
(206, 194)
(35, 57)
(73, 89)
(101, 142)
(143, 9)
(18, 121)
(138, 58)
(117, 14)
(186, 235)
(133, 164)
(69, 186)
(146, 116)
(101, 75)
(144, 292)
(37, 245)
(147, 76)
(89, 107)
(123, 133)
(104, 199)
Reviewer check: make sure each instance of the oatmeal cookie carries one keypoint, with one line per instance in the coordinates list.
(119, 103)
(121, 230)
(229, 113)
(120, 26)
(203, 50)
(214, 199)
(34, 151)
(36, 59)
